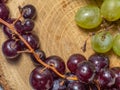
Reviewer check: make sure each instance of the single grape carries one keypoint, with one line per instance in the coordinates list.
(41, 79)
(59, 84)
(28, 25)
(32, 40)
(88, 17)
(29, 11)
(73, 61)
(19, 27)
(106, 78)
(116, 70)
(10, 48)
(110, 10)
(6, 30)
(100, 61)
(116, 45)
(4, 11)
(41, 54)
(85, 72)
(102, 42)
(76, 85)
(58, 63)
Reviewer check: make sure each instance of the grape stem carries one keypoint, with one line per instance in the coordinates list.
(12, 28)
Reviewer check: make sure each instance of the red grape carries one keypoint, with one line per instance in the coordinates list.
(40, 79)
(73, 61)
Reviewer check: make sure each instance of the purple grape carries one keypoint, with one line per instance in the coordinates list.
(100, 61)
(41, 79)
(73, 61)
(106, 78)
(41, 55)
(58, 63)
(19, 27)
(29, 11)
(116, 70)
(4, 12)
(76, 85)
(85, 72)
(32, 40)
(6, 29)
(59, 84)
(28, 25)
(10, 49)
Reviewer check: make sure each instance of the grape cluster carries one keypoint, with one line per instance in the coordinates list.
(93, 74)
(13, 45)
(50, 72)
(90, 17)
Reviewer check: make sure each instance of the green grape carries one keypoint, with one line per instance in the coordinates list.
(116, 45)
(88, 17)
(110, 10)
(102, 42)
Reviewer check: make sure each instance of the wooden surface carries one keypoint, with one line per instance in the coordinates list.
(58, 34)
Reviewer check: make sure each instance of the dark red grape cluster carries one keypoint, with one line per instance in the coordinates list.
(13, 45)
(50, 72)
(92, 74)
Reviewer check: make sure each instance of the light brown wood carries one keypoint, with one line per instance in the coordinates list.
(58, 34)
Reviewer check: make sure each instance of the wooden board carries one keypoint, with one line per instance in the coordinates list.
(58, 34)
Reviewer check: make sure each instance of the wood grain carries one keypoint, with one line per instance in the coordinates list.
(58, 35)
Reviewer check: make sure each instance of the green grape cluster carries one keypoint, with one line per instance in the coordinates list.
(90, 17)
